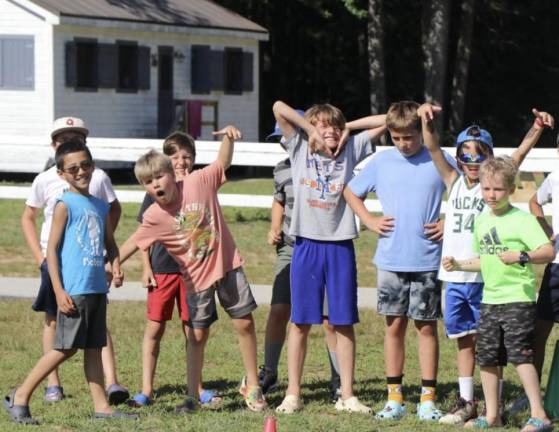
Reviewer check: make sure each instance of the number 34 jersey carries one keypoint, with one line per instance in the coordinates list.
(463, 206)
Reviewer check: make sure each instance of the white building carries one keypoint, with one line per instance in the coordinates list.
(129, 68)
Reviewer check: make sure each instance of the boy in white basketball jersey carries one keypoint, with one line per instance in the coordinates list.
(464, 289)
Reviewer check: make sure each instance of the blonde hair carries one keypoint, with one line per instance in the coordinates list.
(403, 115)
(500, 165)
(327, 113)
(152, 164)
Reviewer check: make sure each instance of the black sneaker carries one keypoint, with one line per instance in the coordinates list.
(267, 380)
(335, 388)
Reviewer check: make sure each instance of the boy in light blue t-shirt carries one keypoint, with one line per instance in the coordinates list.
(408, 251)
(78, 237)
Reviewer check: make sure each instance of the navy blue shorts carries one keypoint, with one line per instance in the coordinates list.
(46, 299)
(322, 269)
(548, 298)
(462, 308)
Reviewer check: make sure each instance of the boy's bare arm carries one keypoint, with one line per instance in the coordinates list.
(381, 225)
(148, 279)
(225, 154)
(28, 226)
(469, 265)
(427, 113)
(274, 235)
(113, 254)
(537, 210)
(127, 249)
(115, 212)
(59, 220)
(541, 121)
(369, 122)
(542, 255)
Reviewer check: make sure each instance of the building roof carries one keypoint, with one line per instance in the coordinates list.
(190, 13)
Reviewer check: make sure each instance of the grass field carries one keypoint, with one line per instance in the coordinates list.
(20, 349)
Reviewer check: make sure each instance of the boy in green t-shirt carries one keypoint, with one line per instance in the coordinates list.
(508, 241)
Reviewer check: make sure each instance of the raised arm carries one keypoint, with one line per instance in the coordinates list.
(427, 114)
(59, 219)
(542, 120)
(28, 226)
(537, 210)
(225, 154)
(375, 124)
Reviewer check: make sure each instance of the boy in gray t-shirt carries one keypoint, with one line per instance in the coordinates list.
(323, 262)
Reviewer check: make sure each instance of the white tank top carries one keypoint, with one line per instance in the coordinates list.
(463, 206)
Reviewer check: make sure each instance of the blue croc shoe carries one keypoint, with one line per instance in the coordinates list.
(391, 411)
(428, 411)
(54, 394)
(140, 400)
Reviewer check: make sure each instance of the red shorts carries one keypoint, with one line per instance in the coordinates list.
(170, 287)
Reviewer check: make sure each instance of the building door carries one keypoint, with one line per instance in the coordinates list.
(165, 104)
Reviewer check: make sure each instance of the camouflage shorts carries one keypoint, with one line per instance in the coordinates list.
(509, 326)
(416, 295)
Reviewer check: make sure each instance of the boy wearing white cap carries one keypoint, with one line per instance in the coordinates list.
(47, 187)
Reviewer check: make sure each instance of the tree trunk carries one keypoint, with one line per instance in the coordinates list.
(460, 79)
(376, 57)
(436, 19)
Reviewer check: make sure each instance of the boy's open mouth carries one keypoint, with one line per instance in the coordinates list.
(160, 193)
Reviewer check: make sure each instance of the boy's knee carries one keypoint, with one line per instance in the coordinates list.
(427, 328)
(279, 313)
(198, 335)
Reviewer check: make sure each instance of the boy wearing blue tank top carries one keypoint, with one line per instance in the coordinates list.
(80, 232)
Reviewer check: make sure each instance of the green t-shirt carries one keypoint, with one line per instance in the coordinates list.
(516, 230)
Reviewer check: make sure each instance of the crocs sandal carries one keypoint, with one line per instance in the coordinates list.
(140, 400)
(18, 413)
(290, 404)
(189, 405)
(115, 415)
(428, 411)
(117, 394)
(54, 394)
(537, 425)
(353, 405)
(391, 411)
(253, 396)
(481, 423)
(210, 399)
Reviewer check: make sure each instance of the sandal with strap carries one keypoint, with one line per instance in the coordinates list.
(537, 425)
(210, 399)
(253, 396)
(18, 413)
(54, 394)
(117, 394)
(290, 404)
(140, 400)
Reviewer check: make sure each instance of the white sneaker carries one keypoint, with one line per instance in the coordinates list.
(353, 405)
(290, 404)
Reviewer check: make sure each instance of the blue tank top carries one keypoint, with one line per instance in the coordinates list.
(82, 264)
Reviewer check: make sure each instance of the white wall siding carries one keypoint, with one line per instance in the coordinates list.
(28, 112)
(112, 114)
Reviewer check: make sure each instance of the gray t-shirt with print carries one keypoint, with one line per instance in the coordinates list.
(320, 212)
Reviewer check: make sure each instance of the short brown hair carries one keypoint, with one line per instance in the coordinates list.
(403, 115)
(500, 165)
(179, 141)
(152, 164)
(326, 112)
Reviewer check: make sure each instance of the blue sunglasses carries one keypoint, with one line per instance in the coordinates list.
(468, 158)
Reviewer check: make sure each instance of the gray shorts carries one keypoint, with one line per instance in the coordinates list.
(233, 292)
(281, 290)
(416, 295)
(87, 328)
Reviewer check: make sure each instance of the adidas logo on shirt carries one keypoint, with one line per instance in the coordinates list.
(490, 243)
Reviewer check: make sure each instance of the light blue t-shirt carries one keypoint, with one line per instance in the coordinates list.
(82, 264)
(410, 190)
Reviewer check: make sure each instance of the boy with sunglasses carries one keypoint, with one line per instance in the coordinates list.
(46, 189)
(465, 203)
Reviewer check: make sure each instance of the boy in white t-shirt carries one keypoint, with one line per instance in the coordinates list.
(47, 187)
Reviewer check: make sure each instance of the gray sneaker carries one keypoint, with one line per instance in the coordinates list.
(462, 411)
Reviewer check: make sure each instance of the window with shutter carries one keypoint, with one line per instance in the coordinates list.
(127, 66)
(200, 77)
(233, 70)
(17, 62)
(107, 72)
(248, 71)
(144, 68)
(86, 64)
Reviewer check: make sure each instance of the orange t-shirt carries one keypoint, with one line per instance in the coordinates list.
(194, 231)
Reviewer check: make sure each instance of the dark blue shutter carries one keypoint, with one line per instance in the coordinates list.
(217, 70)
(144, 69)
(107, 65)
(71, 65)
(200, 78)
(248, 74)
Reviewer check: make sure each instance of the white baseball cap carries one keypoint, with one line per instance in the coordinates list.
(64, 124)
